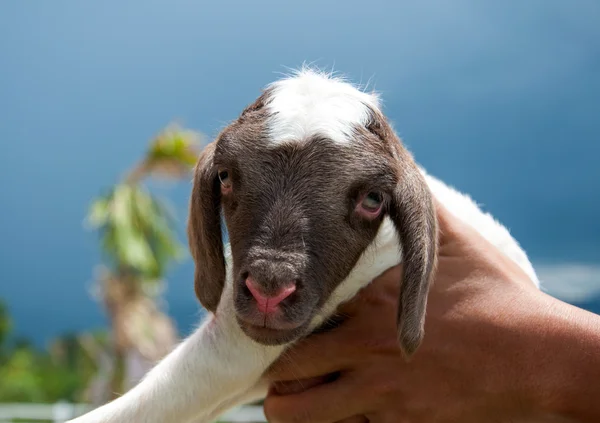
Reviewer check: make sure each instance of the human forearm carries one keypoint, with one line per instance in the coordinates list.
(566, 380)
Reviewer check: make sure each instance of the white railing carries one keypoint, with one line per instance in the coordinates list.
(61, 412)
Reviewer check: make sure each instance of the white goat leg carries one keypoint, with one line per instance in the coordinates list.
(256, 393)
(215, 364)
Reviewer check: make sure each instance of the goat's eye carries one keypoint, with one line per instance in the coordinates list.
(224, 178)
(370, 205)
(372, 202)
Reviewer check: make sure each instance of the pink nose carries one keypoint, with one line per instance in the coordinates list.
(268, 304)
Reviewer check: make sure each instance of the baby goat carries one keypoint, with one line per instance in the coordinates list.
(319, 197)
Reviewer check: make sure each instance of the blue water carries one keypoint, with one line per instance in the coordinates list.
(500, 99)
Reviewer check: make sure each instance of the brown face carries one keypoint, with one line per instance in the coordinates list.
(299, 214)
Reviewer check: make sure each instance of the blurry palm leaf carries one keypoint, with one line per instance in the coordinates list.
(137, 231)
(138, 239)
(172, 153)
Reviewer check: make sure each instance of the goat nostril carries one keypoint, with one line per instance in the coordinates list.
(268, 304)
(247, 291)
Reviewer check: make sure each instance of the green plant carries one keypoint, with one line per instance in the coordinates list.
(138, 242)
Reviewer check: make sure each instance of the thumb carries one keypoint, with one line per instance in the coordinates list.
(454, 233)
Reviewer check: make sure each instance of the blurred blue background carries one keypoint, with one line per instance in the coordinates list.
(500, 99)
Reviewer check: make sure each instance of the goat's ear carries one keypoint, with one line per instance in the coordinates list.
(204, 231)
(257, 106)
(413, 214)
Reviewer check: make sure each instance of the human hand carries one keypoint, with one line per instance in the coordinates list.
(473, 363)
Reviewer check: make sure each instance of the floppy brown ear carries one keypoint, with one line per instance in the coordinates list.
(204, 231)
(413, 214)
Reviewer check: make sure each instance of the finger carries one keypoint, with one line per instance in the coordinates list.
(448, 224)
(454, 230)
(314, 356)
(326, 403)
(336, 349)
(288, 387)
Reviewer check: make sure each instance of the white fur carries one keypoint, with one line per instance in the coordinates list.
(312, 103)
(218, 366)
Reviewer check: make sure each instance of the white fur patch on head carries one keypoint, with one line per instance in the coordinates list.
(311, 103)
